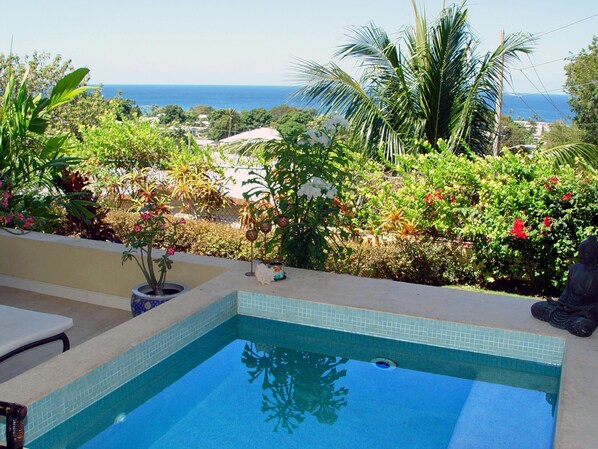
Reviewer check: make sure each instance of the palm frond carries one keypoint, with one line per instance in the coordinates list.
(572, 154)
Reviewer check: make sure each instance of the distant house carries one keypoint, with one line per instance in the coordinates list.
(254, 134)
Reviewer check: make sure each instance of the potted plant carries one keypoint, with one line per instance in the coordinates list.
(153, 225)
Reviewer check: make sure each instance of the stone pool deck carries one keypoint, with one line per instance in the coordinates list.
(578, 406)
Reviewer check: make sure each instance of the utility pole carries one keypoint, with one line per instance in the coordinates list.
(496, 143)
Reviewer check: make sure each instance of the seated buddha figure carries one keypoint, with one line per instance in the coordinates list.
(577, 308)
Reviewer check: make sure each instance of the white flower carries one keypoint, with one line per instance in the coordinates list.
(335, 122)
(331, 193)
(264, 274)
(317, 187)
(315, 137)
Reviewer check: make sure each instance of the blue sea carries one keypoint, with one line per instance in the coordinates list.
(519, 106)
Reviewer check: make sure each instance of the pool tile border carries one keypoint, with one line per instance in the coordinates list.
(69, 400)
(500, 342)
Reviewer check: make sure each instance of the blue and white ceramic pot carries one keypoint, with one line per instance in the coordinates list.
(143, 299)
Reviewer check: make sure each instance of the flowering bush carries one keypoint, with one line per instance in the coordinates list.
(520, 217)
(10, 216)
(152, 226)
(299, 182)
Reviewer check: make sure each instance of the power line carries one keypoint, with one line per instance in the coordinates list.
(547, 97)
(566, 26)
(543, 63)
(559, 89)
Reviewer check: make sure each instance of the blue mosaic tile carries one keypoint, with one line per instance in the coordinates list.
(493, 341)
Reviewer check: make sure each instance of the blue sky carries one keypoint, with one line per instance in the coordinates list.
(243, 42)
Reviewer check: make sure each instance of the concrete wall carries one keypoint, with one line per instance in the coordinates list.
(87, 265)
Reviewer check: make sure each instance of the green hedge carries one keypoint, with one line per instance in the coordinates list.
(421, 261)
(523, 215)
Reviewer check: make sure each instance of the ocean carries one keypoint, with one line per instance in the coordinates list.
(546, 108)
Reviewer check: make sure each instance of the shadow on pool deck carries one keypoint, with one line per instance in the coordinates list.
(89, 321)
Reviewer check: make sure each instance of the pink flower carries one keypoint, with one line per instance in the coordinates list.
(8, 218)
(137, 228)
(145, 216)
(29, 222)
(7, 196)
(182, 221)
(567, 196)
(170, 251)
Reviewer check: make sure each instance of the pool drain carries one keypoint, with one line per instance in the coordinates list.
(384, 363)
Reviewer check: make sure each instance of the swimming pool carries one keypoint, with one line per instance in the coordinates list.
(61, 404)
(285, 385)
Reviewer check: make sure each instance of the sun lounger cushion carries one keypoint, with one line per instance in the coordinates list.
(20, 327)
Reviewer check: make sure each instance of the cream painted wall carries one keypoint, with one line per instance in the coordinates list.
(86, 265)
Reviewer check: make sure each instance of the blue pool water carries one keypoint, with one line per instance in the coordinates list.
(265, 384)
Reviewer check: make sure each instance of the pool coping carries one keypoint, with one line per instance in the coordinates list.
(578, 399)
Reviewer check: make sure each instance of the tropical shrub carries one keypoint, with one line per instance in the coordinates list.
(409, 259)
(93, 226)
(197, 236)
(30, 158)
(196, 182)
(521, 216)
(299, 184)
(130, 143)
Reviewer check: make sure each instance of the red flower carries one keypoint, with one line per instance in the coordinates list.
(567, 196)
(547, 222)
(145, 216)
(517, 230)
(431, 197)
(170, 251)
(554, 180)
(137, 228)
(29, 222)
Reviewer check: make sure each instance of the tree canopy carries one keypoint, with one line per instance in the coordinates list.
(582, 86)
(433, 84)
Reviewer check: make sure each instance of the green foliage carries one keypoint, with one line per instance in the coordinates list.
(512, 135)
(433, 85)
(195, 111)
(476, 202)
(299, 181)
(294, 123)
(561, 134)
(223, 123)
(197, 236)
(196, 182)
(407, 259)
(152, 226)
(582, 73)
(43, 73)
(128, 143)
(30, 159)
(172, 114)
(254, 119)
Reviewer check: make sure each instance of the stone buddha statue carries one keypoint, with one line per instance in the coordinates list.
(577, 308)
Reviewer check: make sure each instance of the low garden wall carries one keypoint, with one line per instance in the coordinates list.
(86, 270)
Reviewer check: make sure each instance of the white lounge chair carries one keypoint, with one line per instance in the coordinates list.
(22, 329)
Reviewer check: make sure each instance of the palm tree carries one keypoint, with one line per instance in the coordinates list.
(431, 85)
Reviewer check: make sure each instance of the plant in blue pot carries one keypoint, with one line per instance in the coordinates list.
(154, 225)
